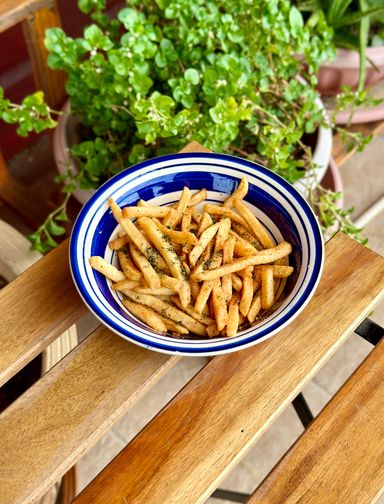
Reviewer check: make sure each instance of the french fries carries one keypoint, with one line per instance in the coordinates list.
(108, 270)
(263, 257)
(267, 287)
(189, 273)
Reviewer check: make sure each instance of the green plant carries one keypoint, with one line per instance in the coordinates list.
(221, 72)
(356, 24)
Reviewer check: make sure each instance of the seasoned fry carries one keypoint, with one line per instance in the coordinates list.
(204, 239)
(224, 212)
(212, 331)
(219, 305)
(204, 223)
(161, 291)
(141, 242)
(125, 285)
(206, 287)
(198, 197)
(145, 211)
(242, 247)
(149, 274)
(172, 326)
(201, 317)
(237, 282)
(222, 234)
(171, 282)
(196, 215)
(146, 315)
(262, 257)
(169, 255)
(238, 193)
(267, 287)
(247, 291)
(180, 237)
(142, 203)
(255, 308)
(118, 243)
(195, 289)
(184, 200)
(256, 285)
(280, 283)
(254, 224)
(126, 263)
(186, 220)
(173, 216)
(233, 317)
(110, 271)
(116, 210)
(226, 281)
(279, 271)
(169, 311)
(243, 232)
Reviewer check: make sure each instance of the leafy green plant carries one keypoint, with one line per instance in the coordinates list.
(356, 23)
(160, 74)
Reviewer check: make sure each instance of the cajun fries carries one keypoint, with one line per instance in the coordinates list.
(189, 271)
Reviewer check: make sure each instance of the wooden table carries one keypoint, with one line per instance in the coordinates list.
(190, 446)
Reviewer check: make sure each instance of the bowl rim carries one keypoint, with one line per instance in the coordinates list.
(219, 346)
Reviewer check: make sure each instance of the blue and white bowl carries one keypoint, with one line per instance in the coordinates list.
(160, 181)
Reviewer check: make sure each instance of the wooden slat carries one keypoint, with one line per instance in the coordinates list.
(340, 152)
(195, 147)
(340, 457)
(49, 81)
(14, 11)
(68, 410)
(182, 455)
(36, 308)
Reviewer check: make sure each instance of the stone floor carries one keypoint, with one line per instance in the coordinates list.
(363, 179)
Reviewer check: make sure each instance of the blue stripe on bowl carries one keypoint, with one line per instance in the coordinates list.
(216, 182)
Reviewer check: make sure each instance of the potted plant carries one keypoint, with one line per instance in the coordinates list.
(358, 34)
(160, 74)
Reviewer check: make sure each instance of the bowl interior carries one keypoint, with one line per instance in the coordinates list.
(275, 203)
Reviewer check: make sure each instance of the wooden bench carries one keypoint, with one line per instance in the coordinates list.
(339, 458)
(184, 453)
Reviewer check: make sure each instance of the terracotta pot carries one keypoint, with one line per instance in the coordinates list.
(344, 70)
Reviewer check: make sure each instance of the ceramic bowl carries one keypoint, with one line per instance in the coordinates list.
(160, 181)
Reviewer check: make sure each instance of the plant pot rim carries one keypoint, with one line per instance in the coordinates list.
(346, 58)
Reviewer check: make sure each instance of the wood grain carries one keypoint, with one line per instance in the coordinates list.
(69, 409)
(340, 152)
(47, 80)
(37, 307)
(340, 456)
(195, 147)
(183, 454)
(14, 11)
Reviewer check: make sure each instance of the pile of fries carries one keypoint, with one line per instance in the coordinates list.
(192, 274)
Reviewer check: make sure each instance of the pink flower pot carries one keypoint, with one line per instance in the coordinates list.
(344, 70)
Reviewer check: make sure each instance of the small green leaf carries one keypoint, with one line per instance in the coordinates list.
(296, 19)
(55, 229)
(192, 76)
